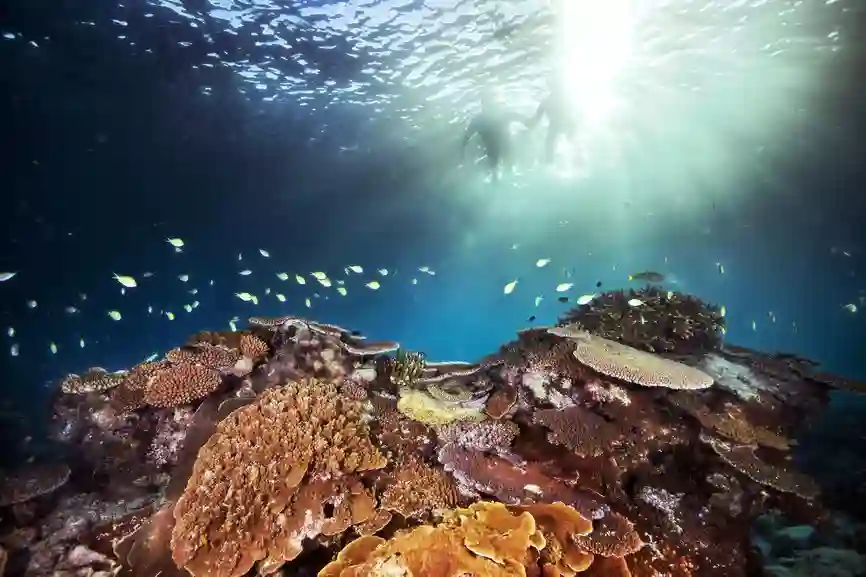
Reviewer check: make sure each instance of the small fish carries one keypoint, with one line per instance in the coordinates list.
(598, 284)
(635, 302)
(147, 274)
(264, 253)
(509, 288)
(851, 307)
(183, 277)
(193, 291)
(187, 308)
(81, 342)
(123, 290)
(195, 304)
(246, 297)
(531, 319)
(585, 299)
(772, 316)
(562, 299)
(427, 270)
(4, 276)
(647, 275)
(170, 315)
(562, 287)
(721, 268)
(210, 282)
(14, 349)
(325, 282)
(82, 296)
(175, 242)
(341, 290)
(356, 269)
(319, 275)
(267, 291)
(240, 256)
(308, 303)
(283, 276)
(281, 297)
(542, 262)
(723, 311)
(150, 310)
(414, 281)
(53, 348)
(300, 279)
(669, 295)
(125, 280)
(373, 285)
(245, 272)
(151, 358)
(233, 326)
(538, 300)
(10, 331)
(70, 310)
(31, 304)
(115, 315)
(515, 246)
(383, 271)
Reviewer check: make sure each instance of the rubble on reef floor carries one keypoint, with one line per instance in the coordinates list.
(600, 446)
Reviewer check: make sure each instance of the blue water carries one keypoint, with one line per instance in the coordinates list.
(328, 134)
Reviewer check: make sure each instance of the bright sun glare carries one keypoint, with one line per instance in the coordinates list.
(595, 42)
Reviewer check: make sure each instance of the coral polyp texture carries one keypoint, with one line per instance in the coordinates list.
(604, 446)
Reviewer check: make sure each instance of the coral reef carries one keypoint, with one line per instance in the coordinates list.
(607, 446)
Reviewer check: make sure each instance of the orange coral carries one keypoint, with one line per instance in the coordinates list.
(486, 540)
(418, 489)
(612, 536)
(260, 483)
(560, 524)
(586, 433)
(732, 423)
(180, 384)
(95, 380)
(253, 347)
(129, 395)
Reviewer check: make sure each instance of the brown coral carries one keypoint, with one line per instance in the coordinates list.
(252, 347)
(418, 489)
(180, 384)
(129, 395)
(612, 536)
(631, 365)
(585, 433)
(501, 401)
(212, 356)
(32, 481)
(779, 477)
(260, 483)
(95, 380)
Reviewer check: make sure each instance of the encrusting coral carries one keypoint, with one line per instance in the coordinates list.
(280, 443)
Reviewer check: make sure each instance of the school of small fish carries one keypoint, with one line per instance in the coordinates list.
(322, 279)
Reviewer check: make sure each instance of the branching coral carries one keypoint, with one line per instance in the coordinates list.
(406, 369)
(628, 364)
(488, 435)
(32, 481)
(259, 484)
(417, 489)
(95, 380)
(666, 321)
(216, 357)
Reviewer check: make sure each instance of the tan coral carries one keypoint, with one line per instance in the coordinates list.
(418, 490)
(181, 384)
(631, 365)
(732, 423)
(259, 484)
(584, 432)
(32, 481)
(95, 380)
(129, 395)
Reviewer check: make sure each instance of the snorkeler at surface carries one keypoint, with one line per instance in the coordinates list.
(561, 117)
(492, 125)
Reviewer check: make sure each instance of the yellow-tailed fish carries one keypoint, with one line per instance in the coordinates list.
(4, 276)
(300, 279)
(14, 349)
(122, 290)
(31, 304)
(187, 308)
(509, 288)
(754, 325)
(356, 269)
(150, 310)
(147, 274)
(325, 282)
(195, 304)
(10, 331)
(373, 285)
(233, 326)
(585, 299)
(283, 276)
(281, 298)
(183, 277)
(850, 307)
(170, 315)
(125, 280)
(53, 348)
(414, 281)
(70, 310)
(635, 302)
(115, 315)
(81, 342)
(542, 262)
(538, 300)
(564, 286)
(723, 311)
(264, 253)
(193, 291)
(246, 297)
(308, 303)
(341, 290)
(427, 270)
(240, 256)
(721, 268)
(175, 242)
(383, 271)
(319, 275)
(245, 272)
